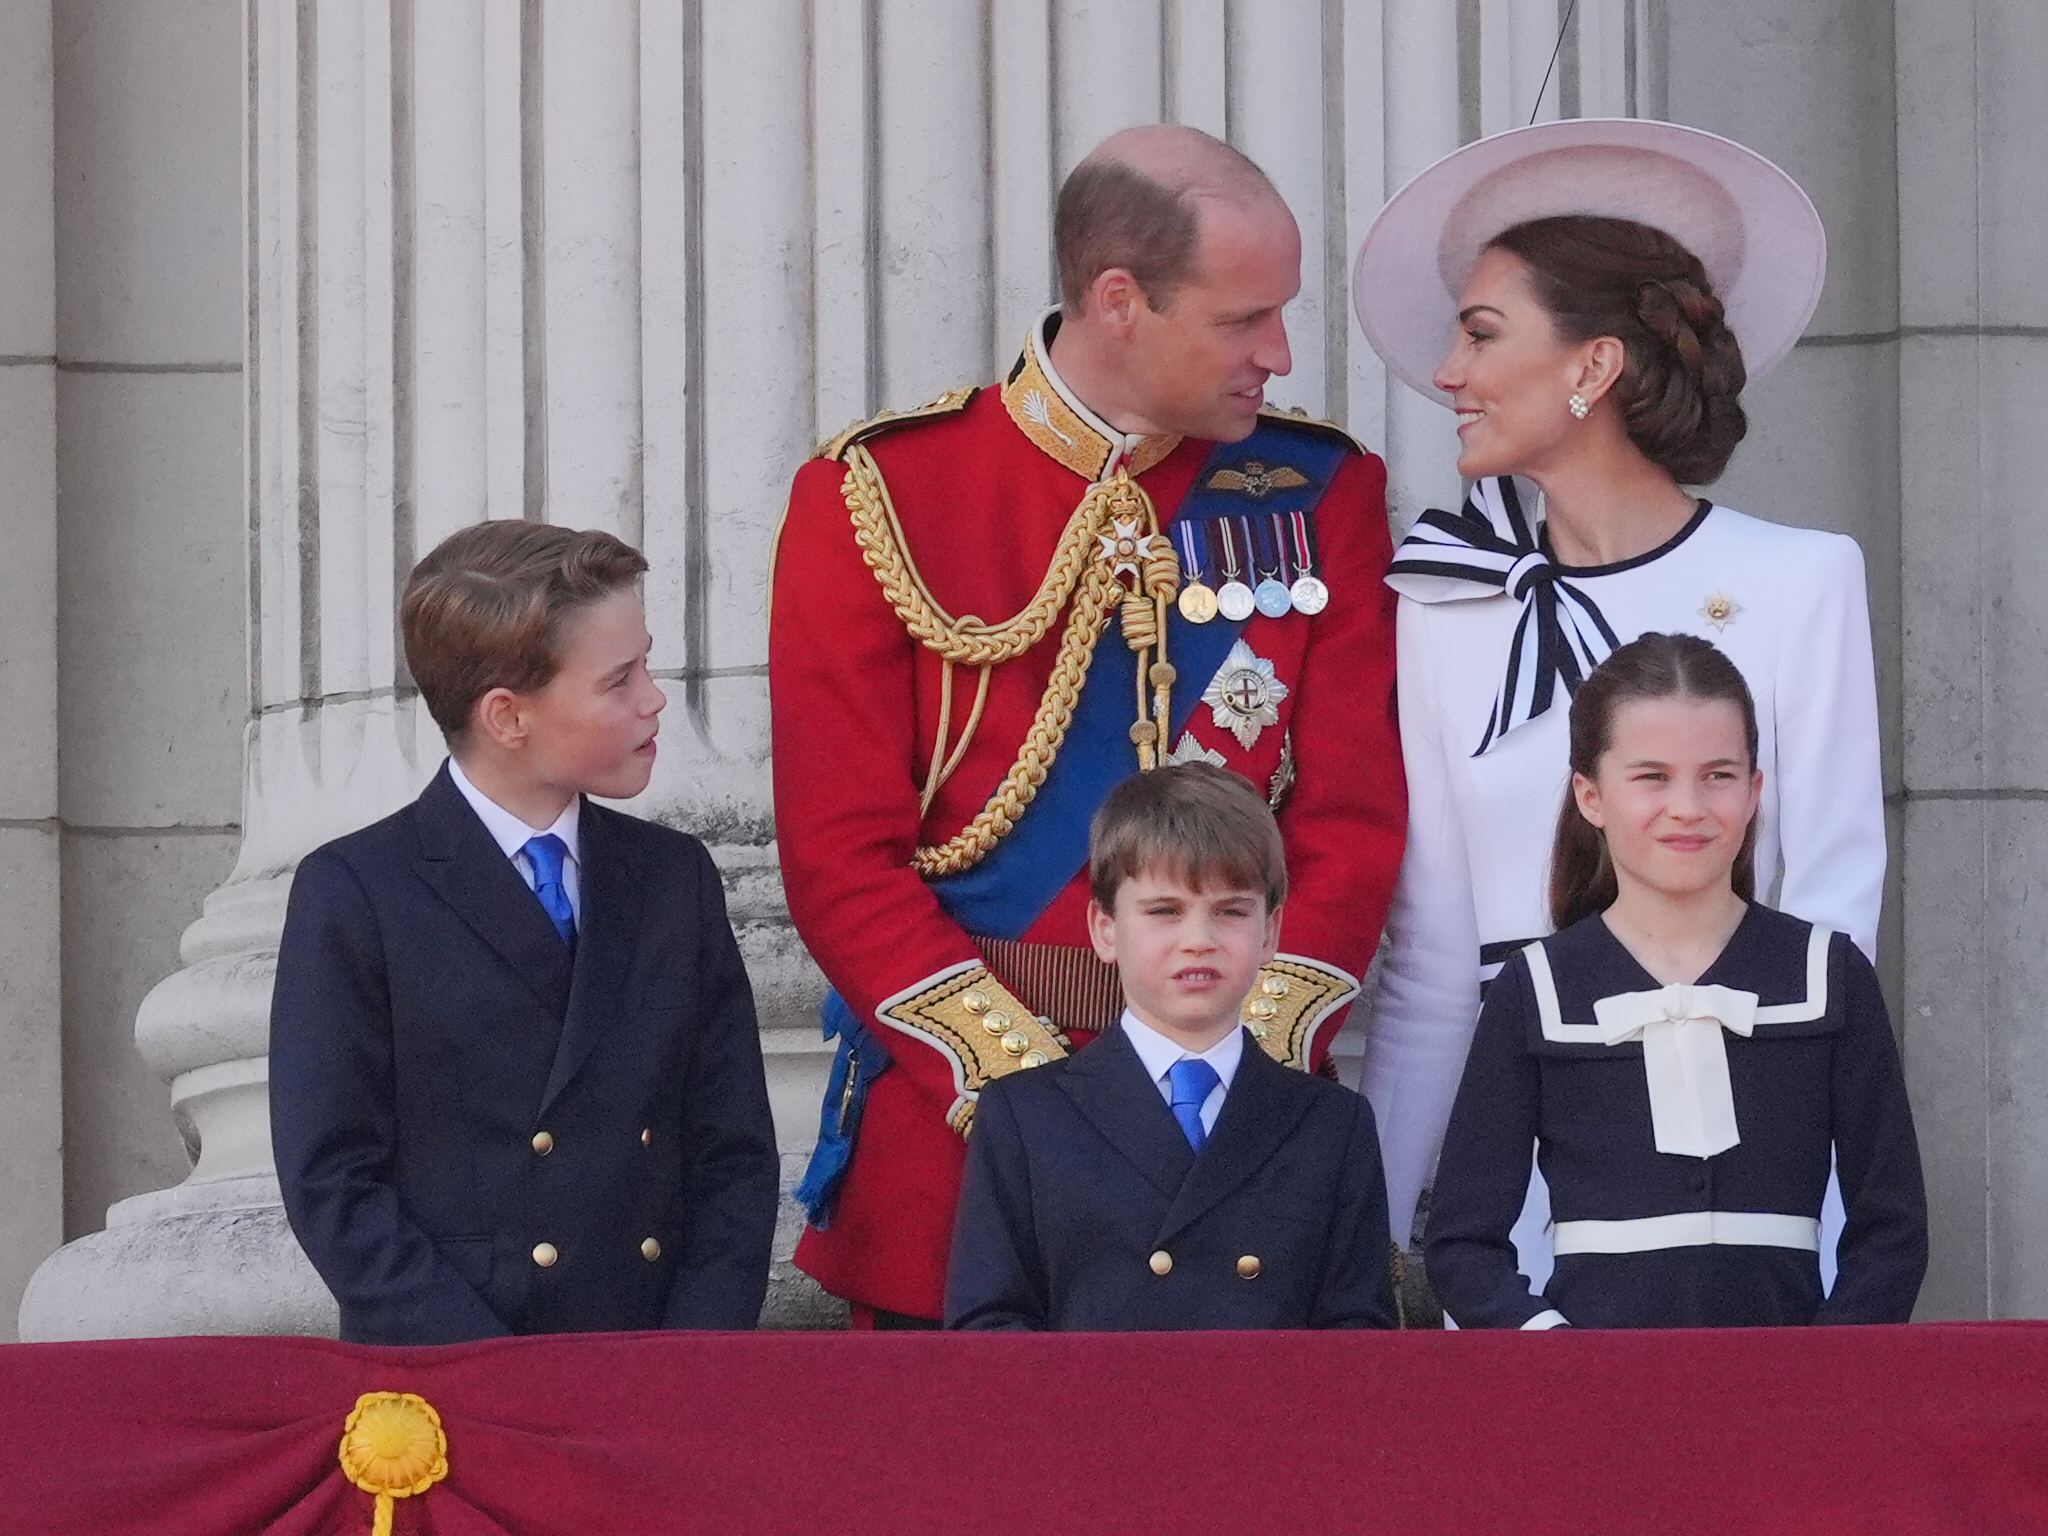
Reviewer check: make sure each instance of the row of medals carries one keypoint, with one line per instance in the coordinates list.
(1237, 602)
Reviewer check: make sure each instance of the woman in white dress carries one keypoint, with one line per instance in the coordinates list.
(1590, 297)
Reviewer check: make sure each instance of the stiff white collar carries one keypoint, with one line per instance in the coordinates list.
(508, 831)
(1158, 1053)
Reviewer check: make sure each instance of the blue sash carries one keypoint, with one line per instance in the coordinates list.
(1006, 892)
(1003, 895)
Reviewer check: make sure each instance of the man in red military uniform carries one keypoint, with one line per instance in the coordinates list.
(988, 611)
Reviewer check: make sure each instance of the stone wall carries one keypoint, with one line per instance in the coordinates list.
(151, 531)
(1908, 417)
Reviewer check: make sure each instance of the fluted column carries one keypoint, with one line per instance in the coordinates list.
(621, 263)
(1971, 342)
(31, 1096)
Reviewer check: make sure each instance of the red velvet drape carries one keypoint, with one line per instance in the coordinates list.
(1935, 1428)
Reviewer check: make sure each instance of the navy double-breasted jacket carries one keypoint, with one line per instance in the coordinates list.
(478, 1130)
(1084, 1208)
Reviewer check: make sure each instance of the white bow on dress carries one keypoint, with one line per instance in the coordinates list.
(1685, 1060)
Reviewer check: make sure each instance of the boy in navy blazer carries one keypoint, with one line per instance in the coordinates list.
(1174, 1175)
(515, 1079)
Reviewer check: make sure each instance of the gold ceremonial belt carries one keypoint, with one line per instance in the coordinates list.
(1067, 984)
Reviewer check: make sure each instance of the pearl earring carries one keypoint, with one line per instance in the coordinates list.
(1578, 407)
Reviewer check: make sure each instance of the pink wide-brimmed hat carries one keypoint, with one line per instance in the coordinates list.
(1752, 226)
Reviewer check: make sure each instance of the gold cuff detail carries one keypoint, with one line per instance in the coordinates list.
(1292, 1000)
(981, 1025)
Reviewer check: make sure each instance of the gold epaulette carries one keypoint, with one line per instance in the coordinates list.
(1289, 1004)
(1295, 416)
(980, 1025)
(945, 405)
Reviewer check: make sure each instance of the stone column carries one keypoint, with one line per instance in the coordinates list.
(1809, 84)
(1973, 373)
(478, 282)
(1908, 417)
(31, 1131)
(622, 265)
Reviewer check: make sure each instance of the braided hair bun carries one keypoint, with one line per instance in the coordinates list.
(1681, 384)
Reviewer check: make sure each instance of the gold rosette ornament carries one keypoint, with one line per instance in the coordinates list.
(392, 1446)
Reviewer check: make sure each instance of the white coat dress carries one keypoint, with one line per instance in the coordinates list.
(1787, 605)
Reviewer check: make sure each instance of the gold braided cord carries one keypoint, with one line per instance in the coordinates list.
(938, 764)
(967, 639)
(967, 847)
(1078, 571)
(943, 762)
(966, 731)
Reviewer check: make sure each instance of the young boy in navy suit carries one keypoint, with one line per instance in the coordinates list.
(1173, 1175)
(515, 1080)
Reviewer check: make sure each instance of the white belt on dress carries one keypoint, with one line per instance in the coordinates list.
(1687, 1229)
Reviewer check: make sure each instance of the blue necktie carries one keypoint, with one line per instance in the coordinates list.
(546, 853)
(1192, 1081)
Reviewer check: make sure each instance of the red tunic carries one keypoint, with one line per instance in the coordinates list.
(856, 709)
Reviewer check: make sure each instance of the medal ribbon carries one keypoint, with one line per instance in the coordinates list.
(1004, 894)
(1304, 562)
(1230, 572)
(1262, 547)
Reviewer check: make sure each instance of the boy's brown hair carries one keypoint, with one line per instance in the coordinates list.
(1193, 823)
(485, 609)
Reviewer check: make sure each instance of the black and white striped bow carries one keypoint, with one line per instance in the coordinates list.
(1490, 546)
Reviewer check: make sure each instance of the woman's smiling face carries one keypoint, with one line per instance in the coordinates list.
(1509, 374)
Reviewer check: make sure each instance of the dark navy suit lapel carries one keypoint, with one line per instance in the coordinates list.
(605, 936)
(1260, 1111)
(469, 871)
(1109, 1085)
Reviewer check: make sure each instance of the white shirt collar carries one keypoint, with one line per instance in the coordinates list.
(1158, 1053)
(508, 831)
(1123, 445)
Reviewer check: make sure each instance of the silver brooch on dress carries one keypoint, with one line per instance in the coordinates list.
(1719, 608)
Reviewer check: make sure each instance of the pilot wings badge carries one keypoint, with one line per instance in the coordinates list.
(1253, 479)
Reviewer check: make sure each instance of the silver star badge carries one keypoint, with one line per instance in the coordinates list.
(1719, 608)
(1244, 696)
(1189, 750)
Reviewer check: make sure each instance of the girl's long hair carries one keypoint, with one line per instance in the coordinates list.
(1652, 666)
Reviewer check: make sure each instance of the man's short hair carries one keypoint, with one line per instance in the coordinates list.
(1110, 214)
(485, 609)
(1194, 823)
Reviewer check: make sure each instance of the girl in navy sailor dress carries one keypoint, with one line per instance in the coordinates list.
(1682, 1056)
